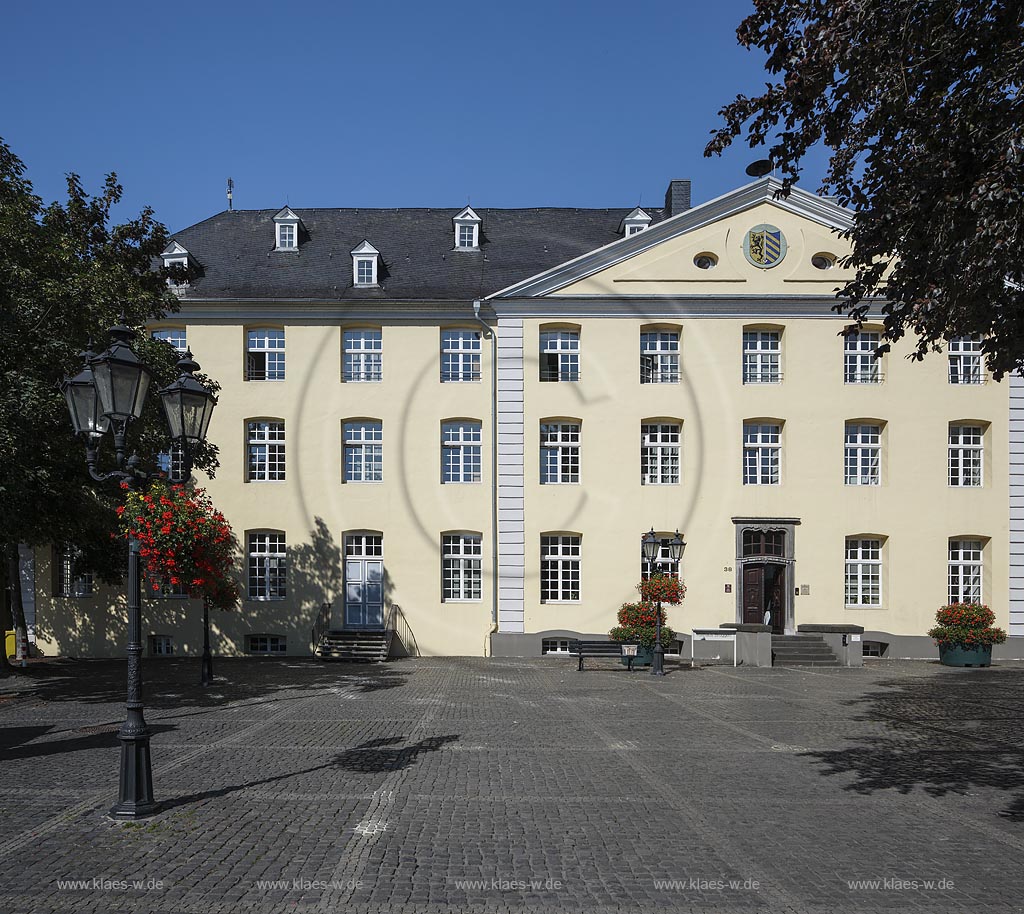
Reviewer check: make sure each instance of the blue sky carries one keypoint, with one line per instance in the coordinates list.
(525, 103)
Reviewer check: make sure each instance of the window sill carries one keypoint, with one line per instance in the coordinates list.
(294, 250)
(869, 608)
(560, 602)
(362, 482)
(266, 599)
(470, 602)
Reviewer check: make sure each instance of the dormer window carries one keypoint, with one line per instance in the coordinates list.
(467, 230)
(175, 255)
(637, 221)
(364, 265)
(286, 237)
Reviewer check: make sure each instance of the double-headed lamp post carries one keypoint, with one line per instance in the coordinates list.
(107, 396)
(651, 546)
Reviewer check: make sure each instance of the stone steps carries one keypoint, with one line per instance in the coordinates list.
(366, 647)
(802, 650)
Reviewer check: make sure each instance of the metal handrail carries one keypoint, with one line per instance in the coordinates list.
(320, 626)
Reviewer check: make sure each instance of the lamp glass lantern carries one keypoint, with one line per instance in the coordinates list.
(121, 379)
(650, 545)
(87, 417)
(187, 404)
(676, 547)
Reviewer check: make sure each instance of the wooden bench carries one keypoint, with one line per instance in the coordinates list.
(583, 649)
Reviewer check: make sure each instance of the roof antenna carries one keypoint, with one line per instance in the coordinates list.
(231, 195)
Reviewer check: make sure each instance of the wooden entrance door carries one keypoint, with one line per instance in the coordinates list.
(764, 596)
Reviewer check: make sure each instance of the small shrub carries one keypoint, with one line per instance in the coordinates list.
(967, 624)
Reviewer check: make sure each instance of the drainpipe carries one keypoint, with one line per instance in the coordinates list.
(494, 472)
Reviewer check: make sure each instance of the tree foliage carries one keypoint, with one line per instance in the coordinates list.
(66, 275)
(920, 106)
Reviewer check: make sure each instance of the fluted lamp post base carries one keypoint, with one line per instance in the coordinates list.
(135, 797)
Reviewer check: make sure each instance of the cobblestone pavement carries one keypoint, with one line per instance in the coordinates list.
(476, 785)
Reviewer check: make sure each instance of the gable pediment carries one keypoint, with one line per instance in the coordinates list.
(663, 259)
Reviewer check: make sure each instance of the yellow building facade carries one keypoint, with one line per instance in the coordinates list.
(462, 436)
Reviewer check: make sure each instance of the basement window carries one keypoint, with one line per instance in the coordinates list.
(875, 648)
(554, 646)
(268, 644)
(161, 645)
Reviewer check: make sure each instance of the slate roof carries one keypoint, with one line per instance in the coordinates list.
(235, 257)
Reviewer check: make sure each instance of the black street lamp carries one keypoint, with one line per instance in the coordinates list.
(108, 395)
(651, 546)
(188, 407)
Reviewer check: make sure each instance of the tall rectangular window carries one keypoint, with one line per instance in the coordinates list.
(965, 571)
(559, 452)
(560, 355)
(364, 355)
(659, 454)
(265, 451)
(863, 572)
(175, 336)
(460, 355)
(762, 447)
(761, 352)
(364, 451)
(467, 236)
(71, 579)
(863, 456)
(559, 569)
(264, 355)
(659, 357)
(965, 360)
(460, 566)
(268, 562)
(966, 455)
(859, 363)
(460, 452)
(662, 564)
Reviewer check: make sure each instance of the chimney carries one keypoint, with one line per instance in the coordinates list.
(677, 197)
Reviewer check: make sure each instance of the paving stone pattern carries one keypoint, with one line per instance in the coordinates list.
(474, 785)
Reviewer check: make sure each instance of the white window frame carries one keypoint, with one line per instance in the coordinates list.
(660, 449)
(265, 450)
(363, 458)
(859, 363)
(461, 451)
(663, 559)
(172, 461)
(75, 583)
(966, 455)
(469, 221)
(266, 344)
(560, 453)
(461, 352)
(762, 356)
(175, 337)
(461, 568)
(266, 553)
(366, 271)
(287, 236)
(560, 566)
(659, 356)
(559, 355)
(862, 454)
(554, 645)
(363, 355)
(863, 572)
(762, 453)
(966, 364)
(966, 561)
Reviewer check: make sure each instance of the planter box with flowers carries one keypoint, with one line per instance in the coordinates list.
(638, 621)
(965, 634)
